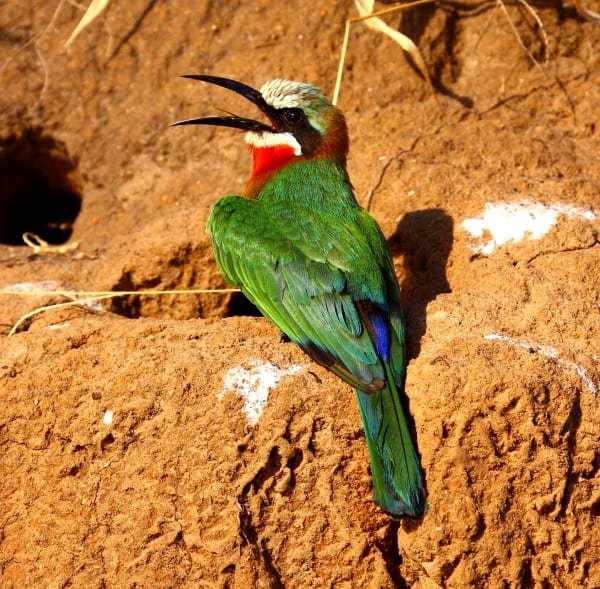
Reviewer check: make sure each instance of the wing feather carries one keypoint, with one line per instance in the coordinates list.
(308, 273)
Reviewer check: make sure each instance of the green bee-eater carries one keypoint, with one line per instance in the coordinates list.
(317, 265)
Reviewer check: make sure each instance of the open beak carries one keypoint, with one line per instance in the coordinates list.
(234, 121)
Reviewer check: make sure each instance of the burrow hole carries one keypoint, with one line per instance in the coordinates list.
(240, 306)
(40, 189)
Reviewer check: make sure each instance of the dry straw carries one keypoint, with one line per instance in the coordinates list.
(86, 298)
(92, 12)
(372, 20)
(82, 298)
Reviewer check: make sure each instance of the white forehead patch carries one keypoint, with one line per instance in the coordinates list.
(287, 94)
(266, 139)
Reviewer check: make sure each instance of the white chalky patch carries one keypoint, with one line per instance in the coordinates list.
(515, 221)
(254, 385)
(107, 418)
(57, 326)
(548, 352)
(43, 286)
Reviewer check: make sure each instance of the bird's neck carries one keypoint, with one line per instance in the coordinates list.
(267, 161)
(273, 151)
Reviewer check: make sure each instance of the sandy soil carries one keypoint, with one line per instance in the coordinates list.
(135, 451)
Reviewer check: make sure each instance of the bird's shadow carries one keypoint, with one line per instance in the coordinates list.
(424, 240)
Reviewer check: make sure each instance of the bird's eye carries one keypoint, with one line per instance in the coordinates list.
(293, 116)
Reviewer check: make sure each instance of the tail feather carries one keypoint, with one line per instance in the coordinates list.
(395, 468)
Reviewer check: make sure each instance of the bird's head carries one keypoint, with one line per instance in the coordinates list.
(303, 125)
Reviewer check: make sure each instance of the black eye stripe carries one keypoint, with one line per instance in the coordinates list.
(294, 120)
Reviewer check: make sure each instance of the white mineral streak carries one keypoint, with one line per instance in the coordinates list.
(548, 352)
(254, 385)
(514, 221)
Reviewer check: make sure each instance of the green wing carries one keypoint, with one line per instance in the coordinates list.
(317, 266)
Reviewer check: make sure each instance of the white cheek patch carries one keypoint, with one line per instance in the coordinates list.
(266, 139)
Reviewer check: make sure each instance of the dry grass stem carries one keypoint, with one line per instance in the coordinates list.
(86, 298)
(40, 246)
(92, 12)
(588, 14)
(372, 20)
(511, 24)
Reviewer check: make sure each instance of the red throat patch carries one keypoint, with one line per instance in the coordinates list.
(266, 161)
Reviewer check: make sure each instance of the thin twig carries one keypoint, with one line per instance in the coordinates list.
(84, 298)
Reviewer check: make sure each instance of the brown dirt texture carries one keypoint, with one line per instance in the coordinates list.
(135, 450)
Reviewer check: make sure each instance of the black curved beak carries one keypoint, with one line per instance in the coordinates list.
(234, 121)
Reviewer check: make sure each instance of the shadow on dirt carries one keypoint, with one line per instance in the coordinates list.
(424, 239)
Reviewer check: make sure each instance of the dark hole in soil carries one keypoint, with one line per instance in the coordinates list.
(39, 188)
(240, 306)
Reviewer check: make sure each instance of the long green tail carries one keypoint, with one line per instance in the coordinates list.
(395, 468)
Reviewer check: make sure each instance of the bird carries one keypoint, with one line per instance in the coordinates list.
(316, 264)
